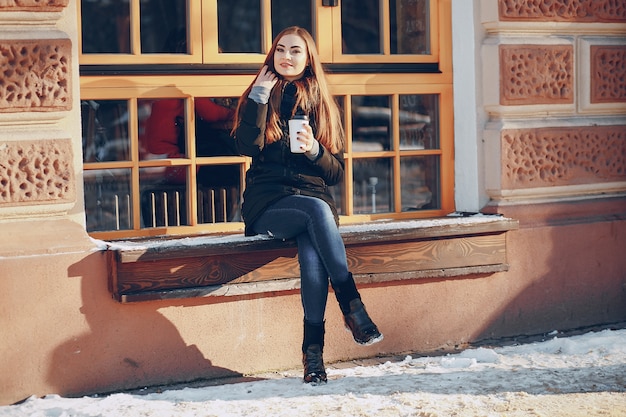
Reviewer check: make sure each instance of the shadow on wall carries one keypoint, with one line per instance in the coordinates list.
(127, 346)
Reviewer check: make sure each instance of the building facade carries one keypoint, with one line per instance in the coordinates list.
(530, 103)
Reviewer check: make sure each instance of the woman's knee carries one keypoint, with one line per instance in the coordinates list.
(319, 209)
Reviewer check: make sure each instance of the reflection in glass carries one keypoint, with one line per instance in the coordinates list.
(105, 26)
(219, 203)
(162, 127)
(419, 121)
(162, 130)
(287, 13)
(239, 25)
(163, 26)
(360, 27)
(162, 204)
(409, 23)
(371, 123)
(420, 185)
(108, 202)
(105, 130)
(373, 187)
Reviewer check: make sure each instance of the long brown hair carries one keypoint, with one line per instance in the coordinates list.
(312, 96)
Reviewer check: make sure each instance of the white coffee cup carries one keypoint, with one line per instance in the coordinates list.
(296, 125)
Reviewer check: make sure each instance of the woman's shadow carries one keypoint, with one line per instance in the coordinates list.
(127, 346)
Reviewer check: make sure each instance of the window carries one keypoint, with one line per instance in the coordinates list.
(158, 88)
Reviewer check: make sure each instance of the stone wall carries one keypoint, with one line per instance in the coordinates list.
(556, 114)
(39, 112)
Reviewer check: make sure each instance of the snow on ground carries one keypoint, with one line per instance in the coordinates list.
(582, 375)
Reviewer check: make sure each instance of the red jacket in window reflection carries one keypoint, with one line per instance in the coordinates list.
(162, 131)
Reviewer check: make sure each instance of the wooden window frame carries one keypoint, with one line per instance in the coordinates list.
(327, 35)
(140, 77)
(194, 56)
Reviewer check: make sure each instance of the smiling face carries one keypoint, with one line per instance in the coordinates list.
(291, 57)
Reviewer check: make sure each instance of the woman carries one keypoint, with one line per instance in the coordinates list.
(287, 193)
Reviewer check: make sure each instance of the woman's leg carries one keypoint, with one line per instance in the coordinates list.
(296, 214)
(313, 281)
(312, 218)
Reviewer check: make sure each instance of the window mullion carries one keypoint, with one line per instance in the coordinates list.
(133, 130)
(348, 172)
(135, 27)
(395, 129)
(385, 18)
(190, 134)
(266, 24)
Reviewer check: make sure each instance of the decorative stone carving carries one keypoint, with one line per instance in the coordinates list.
(563, 156)
(601, 11)
(36, 172)
(36, 75)
(33, 5)
(608, 74)
(536, 74)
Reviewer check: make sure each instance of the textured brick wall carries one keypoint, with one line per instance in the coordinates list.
(36, 75)
(563, 10)
(35, 172)
(536, 74)
(545, 157)
(608, 74)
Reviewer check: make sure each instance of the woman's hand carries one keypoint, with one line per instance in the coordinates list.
(266, 79)
(307, 140)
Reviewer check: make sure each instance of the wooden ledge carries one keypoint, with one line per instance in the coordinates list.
(225, 265)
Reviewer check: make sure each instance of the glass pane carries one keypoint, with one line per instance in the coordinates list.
(220, 202)
(105, 26)
(373, 187)
(410, 26)
(371, 123)
(161, 128)
(108, 202)
(162, 204)
(105, 130)
(239, 25)
(219, 194)
(163, 26)
(360, 27)
(419, 121)
(287, 13)
(420, 185)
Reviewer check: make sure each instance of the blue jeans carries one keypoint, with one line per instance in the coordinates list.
(321, 252)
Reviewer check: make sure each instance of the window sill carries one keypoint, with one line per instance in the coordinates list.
(209, 266)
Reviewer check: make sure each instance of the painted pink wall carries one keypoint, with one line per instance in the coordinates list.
(64, 334)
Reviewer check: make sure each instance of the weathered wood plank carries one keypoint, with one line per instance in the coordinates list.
(370, 258)
(207, 270)
(430, 254)
(260, 287)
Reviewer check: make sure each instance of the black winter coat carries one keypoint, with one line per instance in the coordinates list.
(276, 172)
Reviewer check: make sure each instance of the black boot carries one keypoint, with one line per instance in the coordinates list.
(312, 349)
(355, 316)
